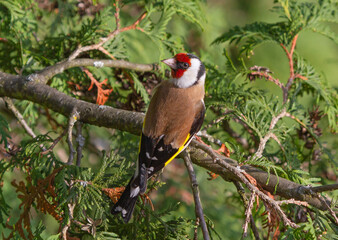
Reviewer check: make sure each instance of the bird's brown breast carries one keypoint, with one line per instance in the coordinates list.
(172, 111)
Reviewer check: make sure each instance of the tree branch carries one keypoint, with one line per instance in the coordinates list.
(270, 134)
(72, 119)
(276, 185)
(105, 116)
(111, 35)
(238, 172)
(196, 193)
(44, 75)
(80, 143)
(19, 116)
(248, 214)
(325, 188)
(241, 193)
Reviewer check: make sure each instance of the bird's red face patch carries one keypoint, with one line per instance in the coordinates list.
(183, 57)
(180, 58)
(177, 73)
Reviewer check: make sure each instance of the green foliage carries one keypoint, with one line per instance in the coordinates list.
(4, 128)
(296, 16)
(302, 149)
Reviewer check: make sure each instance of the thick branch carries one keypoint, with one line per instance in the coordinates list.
(283, 187)
(104, 116)
(237, 171)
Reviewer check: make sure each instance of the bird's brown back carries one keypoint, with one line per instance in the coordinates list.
(172, 111)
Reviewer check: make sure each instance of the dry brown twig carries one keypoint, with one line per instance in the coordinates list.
(248, 214)
(293, 75)
(293, 201)
(269, 135)
(241, 193)
(263, 72)
(71, 206)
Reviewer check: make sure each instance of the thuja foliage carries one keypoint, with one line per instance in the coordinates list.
(35, 35)
(38, 34)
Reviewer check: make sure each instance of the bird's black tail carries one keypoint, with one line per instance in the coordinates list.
(126, 204)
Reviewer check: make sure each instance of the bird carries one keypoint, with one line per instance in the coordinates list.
(175, 114)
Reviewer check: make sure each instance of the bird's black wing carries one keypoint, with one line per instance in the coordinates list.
(164, 154)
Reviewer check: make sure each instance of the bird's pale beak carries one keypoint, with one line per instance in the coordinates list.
(171, 62)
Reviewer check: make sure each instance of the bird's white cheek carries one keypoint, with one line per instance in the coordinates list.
(189, 77)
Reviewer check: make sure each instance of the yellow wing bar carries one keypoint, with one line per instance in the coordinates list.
(178, 151)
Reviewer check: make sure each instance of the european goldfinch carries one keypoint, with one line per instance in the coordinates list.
(175, 114)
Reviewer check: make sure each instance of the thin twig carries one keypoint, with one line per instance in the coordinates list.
(21, 120)
(117, 14)
(247, 128)
(44, 75)
(293, 75)
(276, 119)
(51, 147)
(72, 119)
(102, 49)
(267, 76)
(264, 140)
(19, 116)
(111, 35)
(333, 214)
(293, 201)
(243, 141)
(80, 142)
(71, 207)
(204, 134)
(65, 228)
(241, 193)
(195, 190)
(248, 214)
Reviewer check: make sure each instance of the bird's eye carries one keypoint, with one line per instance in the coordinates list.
(183, 65)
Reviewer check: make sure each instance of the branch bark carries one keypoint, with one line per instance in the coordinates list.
(21, 88)
(196, 193)
(44, 75)
(103, 116)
